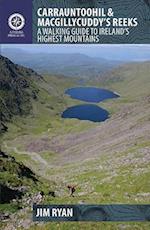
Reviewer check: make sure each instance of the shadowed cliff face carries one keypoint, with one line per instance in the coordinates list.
(16, 90)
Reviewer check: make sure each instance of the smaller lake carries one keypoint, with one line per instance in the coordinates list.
(86, 112)
(90, 94)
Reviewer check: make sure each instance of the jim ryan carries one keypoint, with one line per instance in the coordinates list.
(54, 212)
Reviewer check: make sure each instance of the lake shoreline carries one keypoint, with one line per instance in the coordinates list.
(88, 111)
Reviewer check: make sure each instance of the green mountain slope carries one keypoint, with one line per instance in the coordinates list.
(17, 89)
(109, 161)
(130, 80)
(19, 186)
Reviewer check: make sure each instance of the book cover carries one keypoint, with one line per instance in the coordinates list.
(74, 114)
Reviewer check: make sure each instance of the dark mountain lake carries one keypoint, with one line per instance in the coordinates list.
(86, 112)
(90, 94)
(89, 112)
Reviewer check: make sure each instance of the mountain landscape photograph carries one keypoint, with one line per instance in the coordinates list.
(73, 116)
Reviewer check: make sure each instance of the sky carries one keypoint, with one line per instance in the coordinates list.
(115, 52)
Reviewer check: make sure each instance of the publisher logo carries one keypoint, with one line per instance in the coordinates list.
(16, 21)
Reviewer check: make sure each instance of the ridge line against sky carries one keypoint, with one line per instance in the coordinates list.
(107, 51)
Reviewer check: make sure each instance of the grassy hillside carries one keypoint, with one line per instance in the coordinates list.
(109, 161)
(17, 89)
(131, 80)
(19, 186)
